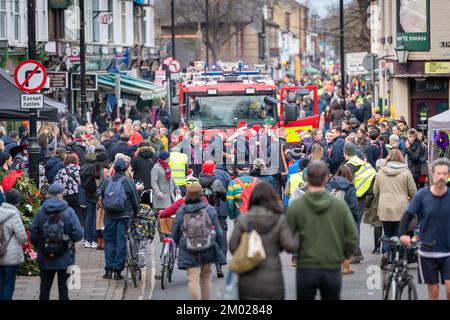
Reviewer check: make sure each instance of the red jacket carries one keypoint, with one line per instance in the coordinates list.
(172, 210)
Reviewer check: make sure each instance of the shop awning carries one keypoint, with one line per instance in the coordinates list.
(144, 89)
(310, 70)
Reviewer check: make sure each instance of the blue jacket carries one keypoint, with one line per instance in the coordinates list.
(121, 147)
(189, 259)
(8, 142)
(132, 198)
(72, 229)
(334, 154)
(341, 183)
(52, 167)
(224, 177)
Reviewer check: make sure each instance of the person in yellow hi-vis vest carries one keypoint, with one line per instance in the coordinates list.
(178, 165)
(363, 179)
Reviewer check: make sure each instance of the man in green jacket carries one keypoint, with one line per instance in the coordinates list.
(328, 234)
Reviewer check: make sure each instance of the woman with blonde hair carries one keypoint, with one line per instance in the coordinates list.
(395, 187)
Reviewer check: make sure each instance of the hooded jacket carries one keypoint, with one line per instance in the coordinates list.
(208, 181)
(395, 186)
(14, 232)
(53, 165)
(414, 155)
(72, 228)
(342, 183)
(375, 151)
(265, 281)
(80, 150)
(142, 166)
(334, 154)
(224, 177)
(187, 258)
(327, 231)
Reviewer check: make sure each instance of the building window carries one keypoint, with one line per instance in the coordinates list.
(3, 18)
(16, 19)
(95, 22)
(269, 13)
(431, 85)
(124, 22)
(288, 21)
(110, 27)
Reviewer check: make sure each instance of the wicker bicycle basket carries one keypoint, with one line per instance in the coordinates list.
(166, 224)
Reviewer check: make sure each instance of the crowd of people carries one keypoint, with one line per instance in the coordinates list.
(310, 198)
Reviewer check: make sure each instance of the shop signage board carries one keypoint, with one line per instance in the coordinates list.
(413, 25)
(437, 67)
(91, 81)
(354, 63)
(58, 80)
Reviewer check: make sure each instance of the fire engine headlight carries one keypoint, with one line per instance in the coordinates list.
(250, 91)
(212, 91)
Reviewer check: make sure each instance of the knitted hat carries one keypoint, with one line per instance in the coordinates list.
(296, 153)
(208, 167)
(153, 133)
(194, 191)
(394, 137)
(256, 127)
(120, 165)
(100, 148)
(268, 120)
(12, 196)
(353, 121)
(350, 149)
(56, 188)
(164, 155)
(101, 156)
(136, 122)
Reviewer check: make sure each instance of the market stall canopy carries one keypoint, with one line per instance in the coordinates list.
(10, 102)
(144, 89)
(310, 70)
(440, 121)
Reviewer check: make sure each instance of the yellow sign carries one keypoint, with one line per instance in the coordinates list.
(298, 69)
(437, 67)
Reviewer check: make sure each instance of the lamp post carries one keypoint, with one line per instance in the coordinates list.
(83, 102)
(341, 23)
(172, 13)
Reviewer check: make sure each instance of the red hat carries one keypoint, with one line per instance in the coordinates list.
(242, 124)
(256, 127)
(208, 167)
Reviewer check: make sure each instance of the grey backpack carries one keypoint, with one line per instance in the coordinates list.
(340, 194)
(197, 227)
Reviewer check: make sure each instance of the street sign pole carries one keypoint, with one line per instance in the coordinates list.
(33, 149)
(341, 23)
(82, 64)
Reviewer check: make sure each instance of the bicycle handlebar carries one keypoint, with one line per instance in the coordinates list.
(395, 241)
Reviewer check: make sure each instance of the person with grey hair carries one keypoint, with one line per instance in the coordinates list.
(55, 253)
(431, 205)
(14, 235)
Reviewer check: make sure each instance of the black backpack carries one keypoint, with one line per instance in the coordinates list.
(87, 177)
(54, 241)
(210, 195)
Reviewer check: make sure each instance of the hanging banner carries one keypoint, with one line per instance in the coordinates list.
(413, 24)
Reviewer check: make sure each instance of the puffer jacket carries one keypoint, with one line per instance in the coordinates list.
(14, 232)
(216, 186)
(142, 166)
(341, 183)
(187, 258)
(265, 281)
(395, 186)
(72, 228)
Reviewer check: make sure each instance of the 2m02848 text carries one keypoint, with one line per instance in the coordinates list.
(245, 309)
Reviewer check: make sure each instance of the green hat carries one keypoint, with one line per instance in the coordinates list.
(268, 120)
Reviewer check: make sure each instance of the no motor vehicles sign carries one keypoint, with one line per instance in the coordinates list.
(30, 76)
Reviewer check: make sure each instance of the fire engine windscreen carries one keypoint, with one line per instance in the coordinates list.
(228, 111)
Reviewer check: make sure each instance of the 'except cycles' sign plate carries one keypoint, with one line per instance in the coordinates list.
(32, 101)
(30, 76)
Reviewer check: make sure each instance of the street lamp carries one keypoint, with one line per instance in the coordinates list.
(402, 54)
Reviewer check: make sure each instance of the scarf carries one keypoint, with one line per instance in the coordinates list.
(166, 167)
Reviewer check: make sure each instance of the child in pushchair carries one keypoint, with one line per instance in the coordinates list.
(143, 226)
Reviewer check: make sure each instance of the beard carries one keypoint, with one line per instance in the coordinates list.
(441, 184)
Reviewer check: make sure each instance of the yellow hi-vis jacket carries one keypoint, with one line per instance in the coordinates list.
(177, 163)
(363, 177)
(294, 180)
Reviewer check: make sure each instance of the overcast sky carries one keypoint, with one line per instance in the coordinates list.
(321, 5)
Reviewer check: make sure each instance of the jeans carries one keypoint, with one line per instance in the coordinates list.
(377, 233)
(361, 205)
(390, 230)
(90, 222)
(47, 277)
(199, 282)
(115, 243)
(7, 281)
(327, 281)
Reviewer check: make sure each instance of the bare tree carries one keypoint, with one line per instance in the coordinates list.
(226, 18)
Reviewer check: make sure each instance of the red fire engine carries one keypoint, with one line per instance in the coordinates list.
(220, 98)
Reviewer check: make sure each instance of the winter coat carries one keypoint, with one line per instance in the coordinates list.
(341, 183)
(121, 147)
(14, 232)
(72, 228)
(158, 146)
(376, 150)
(77, 148)
(263, 178)
(70, 177)
(53, 165)
(266, 280)
(172, 210)
(336, 117)
(131, 201)
(142, 166)
(395, 186)
(8, 142)
(224, 177)
(108, 145)
(164, 192)
(187, 258)
(216, 186)
(334, 154)
(414, 155)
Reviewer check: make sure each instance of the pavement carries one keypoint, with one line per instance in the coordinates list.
(364, 284)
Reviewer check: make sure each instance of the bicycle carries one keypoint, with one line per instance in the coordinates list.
(168, 254)
(132, 265)
(397, 280)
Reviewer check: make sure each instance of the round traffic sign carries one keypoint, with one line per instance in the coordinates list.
(174, 66)
(30, 76)
(74, 52)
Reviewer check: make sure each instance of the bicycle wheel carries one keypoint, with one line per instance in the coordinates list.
(390, 288)
(164, 271)
(132, 266)
(407, 292)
